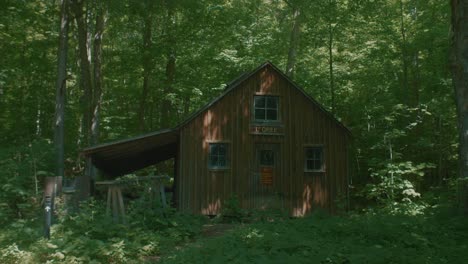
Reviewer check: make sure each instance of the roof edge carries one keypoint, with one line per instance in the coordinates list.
(231, 86)
(93, 149)
(328, 113)
(236, 82)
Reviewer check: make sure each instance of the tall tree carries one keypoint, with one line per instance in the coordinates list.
(331, 28)
(61, 89)
(294, 39)
(170, 37)
(146, 61)
(78, 7)
(101, 17)
(460, 83)
(90, 59)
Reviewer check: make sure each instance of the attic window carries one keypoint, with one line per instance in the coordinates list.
(266, 108)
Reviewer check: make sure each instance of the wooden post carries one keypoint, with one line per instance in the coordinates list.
(115, 198)
(121, 204)
(162, 194)
(109, 194)
(114, 201)
(49, 196)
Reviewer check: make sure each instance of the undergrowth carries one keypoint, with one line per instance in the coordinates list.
(356, 238)
(91, 236)
(153, 233)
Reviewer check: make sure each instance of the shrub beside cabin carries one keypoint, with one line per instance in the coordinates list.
(263, 139)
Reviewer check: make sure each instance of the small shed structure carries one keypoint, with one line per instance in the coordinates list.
(264, 140)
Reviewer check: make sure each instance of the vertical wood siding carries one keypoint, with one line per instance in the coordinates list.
(200, 190)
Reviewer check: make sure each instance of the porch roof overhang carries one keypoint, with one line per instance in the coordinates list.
(124, 156)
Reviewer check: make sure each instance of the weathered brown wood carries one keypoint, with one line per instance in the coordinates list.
(109, 195)
(230, 118)
(115, 210)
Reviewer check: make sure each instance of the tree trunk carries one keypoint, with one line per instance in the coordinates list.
(85, 68)
(147, 67)
(166, 105)
(460, 83)
(87, 87)
(404, 55)
(61, 90)
(97, 92)
(294, 42)
(330, 66)
(97, 63)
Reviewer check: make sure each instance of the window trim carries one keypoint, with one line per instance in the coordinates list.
(278, 107)
(260, 158)
(307, 146)
(228, 155)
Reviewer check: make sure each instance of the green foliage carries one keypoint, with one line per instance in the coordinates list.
(231, 210)
(319, 238)
(394, 188)
(148, 213)
(392, 89)
(90, 236)
(22, 169)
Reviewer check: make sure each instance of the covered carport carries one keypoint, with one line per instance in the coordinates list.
(125, 156)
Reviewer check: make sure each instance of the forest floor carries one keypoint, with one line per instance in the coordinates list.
(440, 238)
(216, 230)
(208, 231)
(437, 236)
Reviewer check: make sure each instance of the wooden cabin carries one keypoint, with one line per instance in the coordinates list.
(264, 140)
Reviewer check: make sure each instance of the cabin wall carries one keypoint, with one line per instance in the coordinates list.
(200, 190)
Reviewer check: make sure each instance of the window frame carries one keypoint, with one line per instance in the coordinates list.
(227, 155)
(272, 165)
(322, 160)
(266, 108)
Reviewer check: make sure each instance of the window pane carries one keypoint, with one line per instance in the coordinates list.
(309, 153)
(259, 102)
(317, 165)
(259, 114)
(222, 162)
(271, 115)
(314, 158)
(213, 149)
(318, 154)
(267, 157)
(218, 155)
(272, 102)
(221, 149)
(214, 161)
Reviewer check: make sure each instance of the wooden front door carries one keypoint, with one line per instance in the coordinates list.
(267, 169)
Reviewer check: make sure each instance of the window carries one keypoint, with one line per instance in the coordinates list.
(266, 108)
(267, 157)
(314, 159)
(218, 156)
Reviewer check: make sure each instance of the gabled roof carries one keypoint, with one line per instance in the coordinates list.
(124, 156)
(239, 80)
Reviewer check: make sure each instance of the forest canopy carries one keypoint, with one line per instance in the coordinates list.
(129, 67)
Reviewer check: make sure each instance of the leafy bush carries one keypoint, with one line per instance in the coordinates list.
(232, 211)
(393, 187)
(363, 238)
(91, 236)
(21, 171)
